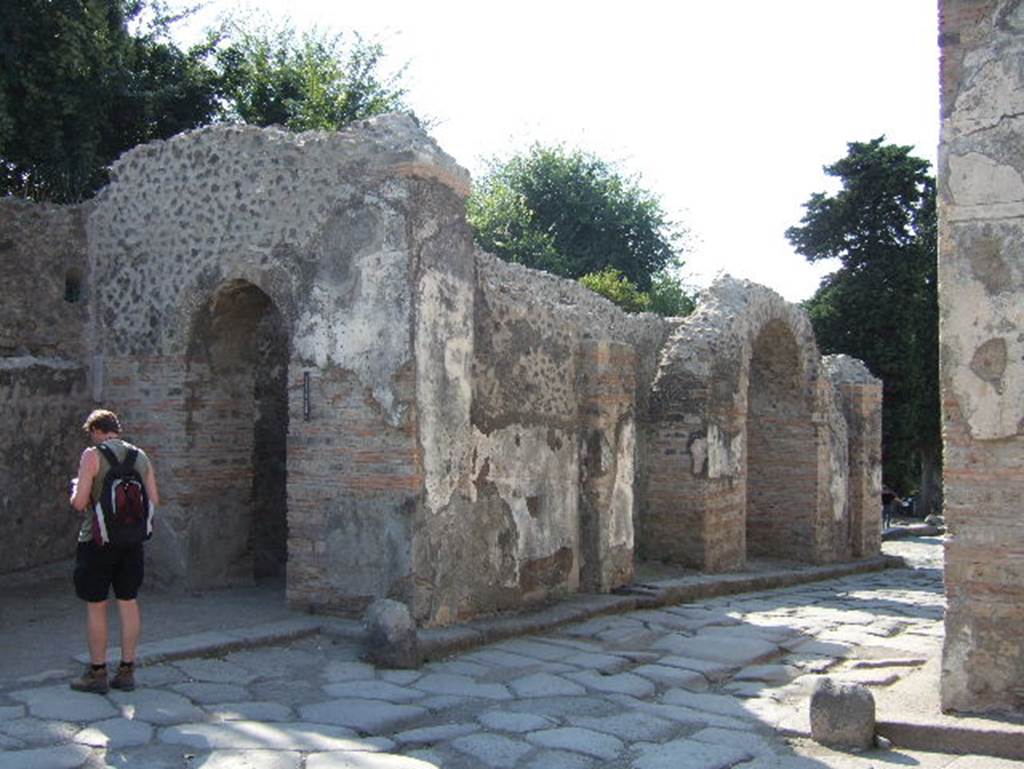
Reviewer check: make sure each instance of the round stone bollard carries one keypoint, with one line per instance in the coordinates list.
(391, 640)
(842, 715)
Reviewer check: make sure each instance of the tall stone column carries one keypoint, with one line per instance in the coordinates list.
(981, 285)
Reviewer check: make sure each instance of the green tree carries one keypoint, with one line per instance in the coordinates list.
(78, 88)
(667, 296)
(881, 305)
(572, 214)
(302, 81)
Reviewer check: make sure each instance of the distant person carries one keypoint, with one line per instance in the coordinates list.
(98, 566)
(889, 502)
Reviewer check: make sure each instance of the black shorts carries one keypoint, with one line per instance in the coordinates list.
(98, 567)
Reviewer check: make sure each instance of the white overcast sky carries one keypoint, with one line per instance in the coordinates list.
(726, 110)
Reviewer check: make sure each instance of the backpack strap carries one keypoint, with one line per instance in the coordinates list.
(129, 458)
(109, 455)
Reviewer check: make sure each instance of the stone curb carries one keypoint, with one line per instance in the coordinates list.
(989, 739)
(436, 643)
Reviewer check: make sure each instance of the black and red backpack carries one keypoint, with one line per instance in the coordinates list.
(123, 514)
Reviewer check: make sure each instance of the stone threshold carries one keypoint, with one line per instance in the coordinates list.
(436, 643)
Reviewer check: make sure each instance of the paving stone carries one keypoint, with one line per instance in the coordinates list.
(545, 685)
(37, 732)
(688, 753)
(666, 619)
(368, 716)
(9, 743)
(561, 707)
(492, 750)
(349, 671)
(158, 707)
(249, 735)
(459, 667)
(515, 722)
(365, 761)
(629, 726)
(442, 702)
(250, 711)
(560, 759)
(216, 671)
(529, 647)
(682, 715)
(747, 689)
(753, 744)
(772, 633)
(775, 674)
(115, 733)
(10, 712)
(150, 676)
(251, 759)
(713, 671)
(737, 652)
(463, 686)
(633, 638)
(712, 703)
(605, 663)
(578, 740)
(373, 690)
(276, 660)
(619, 683)
(209, 694)
(60, 757)
(287, 692)
(665, 675)
(809, 663)
(399, 677)
(62, 703)
(820, 648)
(428, 735)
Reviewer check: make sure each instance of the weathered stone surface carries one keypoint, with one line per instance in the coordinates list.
(373, 690)
(156, 707)
(544, 685)
(248, 735)
(115, 733)
(578, 740)
(250, 711)
(60, 757)
(492, 750)
(391, 639)
(842, 714)
(364, 761)
(58, 702)
(699, 755)
(363, 715)
(462, 686)
(252, 759)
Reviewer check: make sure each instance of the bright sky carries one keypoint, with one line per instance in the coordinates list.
(726, 110)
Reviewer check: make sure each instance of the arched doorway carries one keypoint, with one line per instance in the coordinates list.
(781, 450)
(236, 434)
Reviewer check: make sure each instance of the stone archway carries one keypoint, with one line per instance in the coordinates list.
(782, 461)
(236, 431)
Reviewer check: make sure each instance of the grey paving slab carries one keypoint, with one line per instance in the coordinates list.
(294, 692)
(209, 694)
(690, 717)
(463, 686)
(520, 723)
(373, 690)
(736, 652)
(250, 711)
(560, 759)
(348, 670)
(561, 707)
(38, 732)
(250, 759)
(10, 712)
(156, 706)
(712, 703)
(619, 683)
(158, 675)
(459, 667)
(59, 757)
(605, 663)
(665, 675)
(399, 677)
(536, 648)
(492, 750)
(443, 702)
(276, 660)
(753, 744)
(253, 735)
(629, 726)
(365, 761)
(216, 671)
(60, 702)
(368, 716)
(428, 735)
(9, 743)
(772, 633)
(688, 753)
(115, 733)
(544, 685)
(775, 674)
(578, 740)
(713, 671)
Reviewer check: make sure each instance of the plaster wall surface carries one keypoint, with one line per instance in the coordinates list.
(981, 277)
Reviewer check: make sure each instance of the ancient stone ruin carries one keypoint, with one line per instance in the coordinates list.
(981, 277)
(338, 389)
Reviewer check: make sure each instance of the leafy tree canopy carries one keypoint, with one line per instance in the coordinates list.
(881, 305)
(572, 214)
(82, 81)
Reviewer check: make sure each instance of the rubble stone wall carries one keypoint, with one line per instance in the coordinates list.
(44, 378)
(981, 278)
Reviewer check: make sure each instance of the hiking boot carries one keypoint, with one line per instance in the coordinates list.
(91, 681)
(124, 678)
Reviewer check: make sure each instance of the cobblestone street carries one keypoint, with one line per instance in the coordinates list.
(721, 684)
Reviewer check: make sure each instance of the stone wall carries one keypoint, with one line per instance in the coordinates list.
(981, 277)
(44, 386)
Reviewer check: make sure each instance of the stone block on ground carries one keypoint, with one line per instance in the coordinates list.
(391, 640)
(842, 715)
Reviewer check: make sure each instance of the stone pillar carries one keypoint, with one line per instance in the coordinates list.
(981, 280)
(607, 464)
